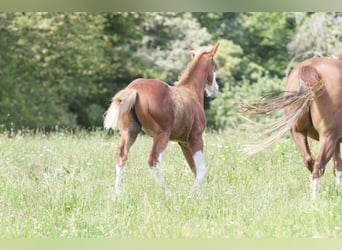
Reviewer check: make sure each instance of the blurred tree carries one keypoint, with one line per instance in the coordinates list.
(318, 34)
(63, 68)
(122, 35)
(60, 58)
(167, 37)
(265, 39)
(263, 36)
(222, 25)
(25, 100)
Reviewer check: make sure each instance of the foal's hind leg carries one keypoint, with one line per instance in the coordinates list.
(338, 165)
(129, 130)
(160, 141)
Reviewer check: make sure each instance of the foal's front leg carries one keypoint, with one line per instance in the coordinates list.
(196, 149)
(129, 131)
(201, 170)
(196, 163)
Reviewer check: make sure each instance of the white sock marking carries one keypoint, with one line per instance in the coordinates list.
(315, 186)
(118, 178)
(339, 178)
(157, 170)
(201, 170)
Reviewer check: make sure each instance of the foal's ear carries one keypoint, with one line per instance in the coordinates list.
(192, 51)
(214, 49)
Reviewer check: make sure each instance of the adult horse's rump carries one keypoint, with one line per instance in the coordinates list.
(313, 107)
(166, 113)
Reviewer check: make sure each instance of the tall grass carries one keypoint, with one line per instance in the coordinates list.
(60, 186)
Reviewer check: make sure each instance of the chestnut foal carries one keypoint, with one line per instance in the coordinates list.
(166, 113)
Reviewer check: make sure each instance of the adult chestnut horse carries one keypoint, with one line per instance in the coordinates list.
(166, 113)
(313, 107)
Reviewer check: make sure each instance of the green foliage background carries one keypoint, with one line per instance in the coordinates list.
(61, 69)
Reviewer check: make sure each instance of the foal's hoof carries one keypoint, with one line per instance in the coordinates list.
(168, 193)
(195, 191)
(115, 194)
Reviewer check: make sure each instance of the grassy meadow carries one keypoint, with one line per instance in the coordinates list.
(60, 186)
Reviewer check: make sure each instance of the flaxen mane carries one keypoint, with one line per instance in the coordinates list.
(184, 77)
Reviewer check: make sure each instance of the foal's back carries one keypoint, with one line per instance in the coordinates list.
(161, 107)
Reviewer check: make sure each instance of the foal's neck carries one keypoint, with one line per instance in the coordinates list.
(196, 79)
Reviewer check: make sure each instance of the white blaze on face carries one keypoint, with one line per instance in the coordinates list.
(213, 88)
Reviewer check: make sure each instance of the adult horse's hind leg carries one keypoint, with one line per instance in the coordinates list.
(129, 130)
(338, 165)
(301, 141)
(326, 150)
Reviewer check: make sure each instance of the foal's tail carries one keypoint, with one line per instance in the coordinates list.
(310, 86)
(122, 102)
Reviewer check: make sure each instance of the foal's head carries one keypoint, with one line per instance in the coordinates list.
(211, 87)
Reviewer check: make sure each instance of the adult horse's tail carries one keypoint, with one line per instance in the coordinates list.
(122, 103)
(297, 104)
